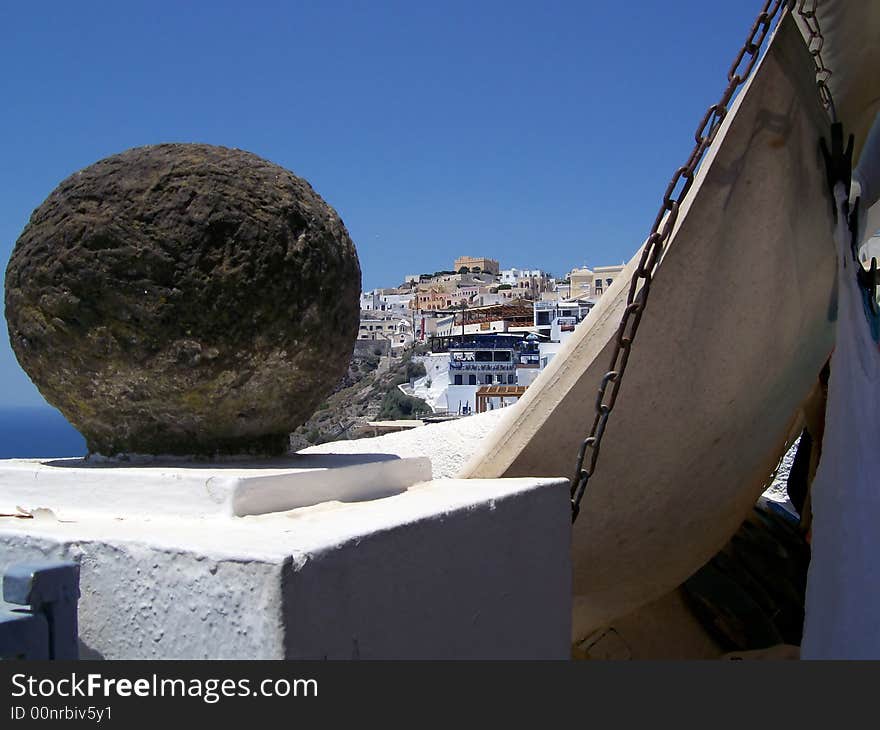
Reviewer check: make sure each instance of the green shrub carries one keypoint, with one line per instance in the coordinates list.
(415, 370)
(369, 363)
(396, 405)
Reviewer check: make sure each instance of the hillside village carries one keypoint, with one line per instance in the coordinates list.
(451, 343)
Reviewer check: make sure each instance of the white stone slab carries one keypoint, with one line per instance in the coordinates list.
(443, 570)
(71, 488)
(448, 445)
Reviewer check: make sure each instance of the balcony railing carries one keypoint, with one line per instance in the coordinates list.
(481, 367)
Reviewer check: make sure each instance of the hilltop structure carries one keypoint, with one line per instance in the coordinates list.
(476, 265)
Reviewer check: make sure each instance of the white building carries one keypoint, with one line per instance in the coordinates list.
(395, 302)
(386, 300)
(447, 327)
(558, 290)
(555, 320)
(604, 277)
(525, 283)
(397, 330)
(512, 276)
(472, 366)
(370, 300)
(488, 299)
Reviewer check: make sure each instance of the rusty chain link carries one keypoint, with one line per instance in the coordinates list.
(815, 42)
(666, 217)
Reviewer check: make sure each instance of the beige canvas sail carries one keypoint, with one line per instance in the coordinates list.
(739, 323)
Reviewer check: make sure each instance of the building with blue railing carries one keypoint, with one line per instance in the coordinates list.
(481, 362)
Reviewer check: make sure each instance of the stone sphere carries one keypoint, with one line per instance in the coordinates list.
(184, 299)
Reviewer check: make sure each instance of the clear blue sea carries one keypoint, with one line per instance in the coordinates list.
(37, 432)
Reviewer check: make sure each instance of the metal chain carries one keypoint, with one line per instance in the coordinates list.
(815, 42)
(637, 297)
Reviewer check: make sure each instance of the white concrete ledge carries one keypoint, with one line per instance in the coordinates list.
(71, 488)
(444, 569)
(448, 445)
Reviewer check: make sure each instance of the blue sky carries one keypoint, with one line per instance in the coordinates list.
(540, 134)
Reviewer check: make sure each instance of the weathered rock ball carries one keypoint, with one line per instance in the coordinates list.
(184, 299)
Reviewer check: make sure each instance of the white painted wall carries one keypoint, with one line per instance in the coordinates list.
(448, 445)
(447, 569)
(459, 395)
(526, 376)
(431, 387)
(548, 351)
